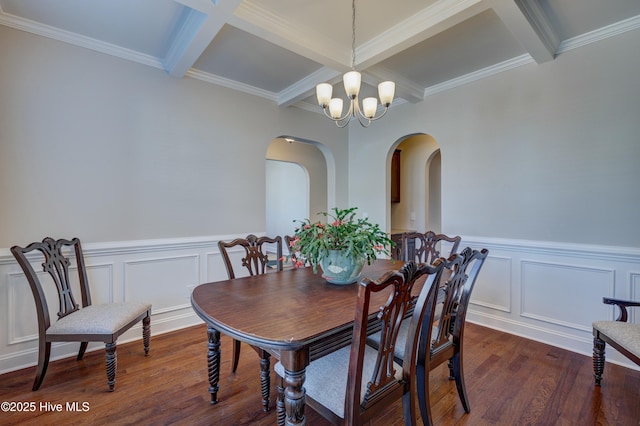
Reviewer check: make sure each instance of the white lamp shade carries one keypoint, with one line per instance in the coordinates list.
(386, 91)
(369, 106)
(335, 108)
(323, 93)
(351, 82)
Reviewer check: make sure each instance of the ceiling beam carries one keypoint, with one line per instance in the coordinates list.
(405, 89)
(205, 18)
(260, 22)
(529, 24)
(432, 20)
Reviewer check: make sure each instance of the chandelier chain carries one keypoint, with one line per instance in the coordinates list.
(353, 35)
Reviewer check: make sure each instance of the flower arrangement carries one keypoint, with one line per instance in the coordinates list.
(356, 237)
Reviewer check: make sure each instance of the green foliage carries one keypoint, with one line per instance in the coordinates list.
(359, 238)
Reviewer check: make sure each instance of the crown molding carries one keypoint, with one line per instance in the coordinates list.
(231, 84)
(79, 40)
(480, 74)
(612, 30)
(306, 86)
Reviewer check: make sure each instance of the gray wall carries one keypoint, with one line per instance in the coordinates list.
(108, 150)
(544, 152)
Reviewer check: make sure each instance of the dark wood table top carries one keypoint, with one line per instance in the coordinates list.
(284, 311)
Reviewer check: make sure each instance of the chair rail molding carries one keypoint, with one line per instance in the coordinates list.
(544, 291)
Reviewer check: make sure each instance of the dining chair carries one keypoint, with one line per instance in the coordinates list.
(426, 247)
(442, 329)
(620, 334)
(254, 261)
(356, 383)
(89, 323)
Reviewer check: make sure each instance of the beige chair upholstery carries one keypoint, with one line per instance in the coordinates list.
(619, 334)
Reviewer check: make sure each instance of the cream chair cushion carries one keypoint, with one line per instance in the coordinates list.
(326, 378)
(625, 334)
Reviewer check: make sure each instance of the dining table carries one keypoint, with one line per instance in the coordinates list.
(295, 315)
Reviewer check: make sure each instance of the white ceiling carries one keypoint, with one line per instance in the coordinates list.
(280, 49)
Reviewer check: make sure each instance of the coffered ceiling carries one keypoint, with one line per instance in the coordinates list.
(280, 49)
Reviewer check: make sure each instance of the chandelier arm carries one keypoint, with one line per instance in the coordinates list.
(380, 116)
(364, 121)
(374, 118)
(346, 118)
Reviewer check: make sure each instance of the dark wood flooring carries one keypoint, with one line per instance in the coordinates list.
(510, 381)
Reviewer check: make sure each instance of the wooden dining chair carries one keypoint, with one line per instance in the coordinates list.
(620, 334)
(254, 261)
(74, 323)
(426, 247)
(356, 383)
(442, 328)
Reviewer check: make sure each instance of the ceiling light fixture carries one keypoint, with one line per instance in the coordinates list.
(332, 108)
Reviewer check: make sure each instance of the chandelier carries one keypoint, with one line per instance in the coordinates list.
(332, 107)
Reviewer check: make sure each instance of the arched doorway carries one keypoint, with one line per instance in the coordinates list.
(290, 160)
(418, 206)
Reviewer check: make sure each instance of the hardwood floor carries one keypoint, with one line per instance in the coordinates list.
(510, 381)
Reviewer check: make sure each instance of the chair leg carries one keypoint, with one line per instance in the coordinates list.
(459, 378)
(409, 408)
(44, 352)
(265, 378)
(280, 411)
(422, 386)
(146, 333)
(598, 359)
(236, 355)
(112, 364)
(83, 348)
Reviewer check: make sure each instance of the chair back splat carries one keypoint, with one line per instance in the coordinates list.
(426, 247)
(255, 259)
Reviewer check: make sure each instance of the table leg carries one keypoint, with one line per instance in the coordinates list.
(265, 378)
(294, 398)
(213, 361)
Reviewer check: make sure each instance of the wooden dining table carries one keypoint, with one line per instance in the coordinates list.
(295, 315)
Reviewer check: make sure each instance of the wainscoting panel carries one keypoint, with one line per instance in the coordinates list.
(565, 294)
(550, 292)
(20, 305)
(143, 277)
(493, 286)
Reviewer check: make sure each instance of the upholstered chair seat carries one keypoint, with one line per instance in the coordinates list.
(326, 378)
(99, 319)
(621, 335)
